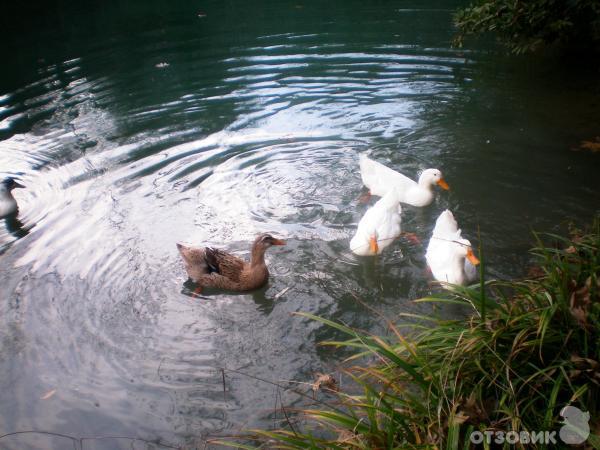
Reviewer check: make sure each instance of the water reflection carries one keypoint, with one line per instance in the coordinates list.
(255, 125)
(15, 227)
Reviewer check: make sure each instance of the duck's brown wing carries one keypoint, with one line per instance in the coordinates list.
(224, 264)
(214, 280)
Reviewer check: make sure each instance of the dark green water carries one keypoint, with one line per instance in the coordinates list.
(135, 127)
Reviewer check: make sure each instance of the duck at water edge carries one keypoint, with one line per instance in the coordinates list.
(449, 256)
(214, 268)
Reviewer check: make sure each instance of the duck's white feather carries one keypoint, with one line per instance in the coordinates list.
(447, 250)
(380, 179)
(446, 225)
(381, 221)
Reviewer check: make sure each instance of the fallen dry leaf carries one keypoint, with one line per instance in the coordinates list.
(592, 146)
(587, 367)
(48, 394)
(345, 436)
(471, 411)
(325, 381)
(580, 303)
(535, 272)
(584, 363)
(459, 419)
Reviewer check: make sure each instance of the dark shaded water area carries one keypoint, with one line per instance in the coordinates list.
(137, 125)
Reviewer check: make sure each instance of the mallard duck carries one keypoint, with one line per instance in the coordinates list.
(379, 226)
(8, 204)
(379, 179)
(449, 256)
(211, 267)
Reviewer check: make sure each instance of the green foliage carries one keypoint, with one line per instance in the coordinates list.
(525, 26)
(535, 350)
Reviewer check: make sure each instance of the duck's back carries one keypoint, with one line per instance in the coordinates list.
(381, 221)
(443, 256)
(380, 178)
(446, 225)
(438, 257)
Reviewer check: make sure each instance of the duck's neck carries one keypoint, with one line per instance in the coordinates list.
(458, 267)
(425, 183)
(389, 201)
(258, 256)
(6, 195)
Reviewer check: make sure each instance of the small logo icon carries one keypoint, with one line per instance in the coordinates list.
(575, 429)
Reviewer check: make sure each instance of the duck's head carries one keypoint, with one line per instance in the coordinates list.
(430, 177)
(466, 250)
(265, 240)
(10, 183)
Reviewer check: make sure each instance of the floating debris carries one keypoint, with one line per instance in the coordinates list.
(325, 381)
(48, 394)
(162, 65)
(281, 293)
(591, 146)
(346, 436)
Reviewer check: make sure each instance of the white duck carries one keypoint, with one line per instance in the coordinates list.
(8, 204)
(379, 179)
(379, 226)
(449, 256)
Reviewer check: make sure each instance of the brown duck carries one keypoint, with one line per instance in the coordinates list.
(211, 267)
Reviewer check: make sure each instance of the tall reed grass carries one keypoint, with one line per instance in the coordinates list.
(528, 349)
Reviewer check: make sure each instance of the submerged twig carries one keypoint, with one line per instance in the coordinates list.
(78, 441)
(285, 414)
(224, 388)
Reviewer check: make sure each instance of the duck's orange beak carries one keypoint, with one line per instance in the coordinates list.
(278, 242)
(472, 258)
(373, 245)
(442, 183)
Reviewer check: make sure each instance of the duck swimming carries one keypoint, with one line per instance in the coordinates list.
(214, 268)
(449, 256)
(8, 204)
(379, 226)
(379, 179)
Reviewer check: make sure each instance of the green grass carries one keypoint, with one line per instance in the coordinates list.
(528, 349)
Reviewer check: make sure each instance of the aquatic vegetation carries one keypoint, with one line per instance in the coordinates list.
(528, 349)
(527, 26)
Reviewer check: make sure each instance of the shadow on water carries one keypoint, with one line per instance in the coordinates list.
(138, 125)
(264, 303)
(15, 227)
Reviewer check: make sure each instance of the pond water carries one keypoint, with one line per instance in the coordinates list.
(135, 126)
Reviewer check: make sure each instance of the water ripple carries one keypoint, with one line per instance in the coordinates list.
(186, 131)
